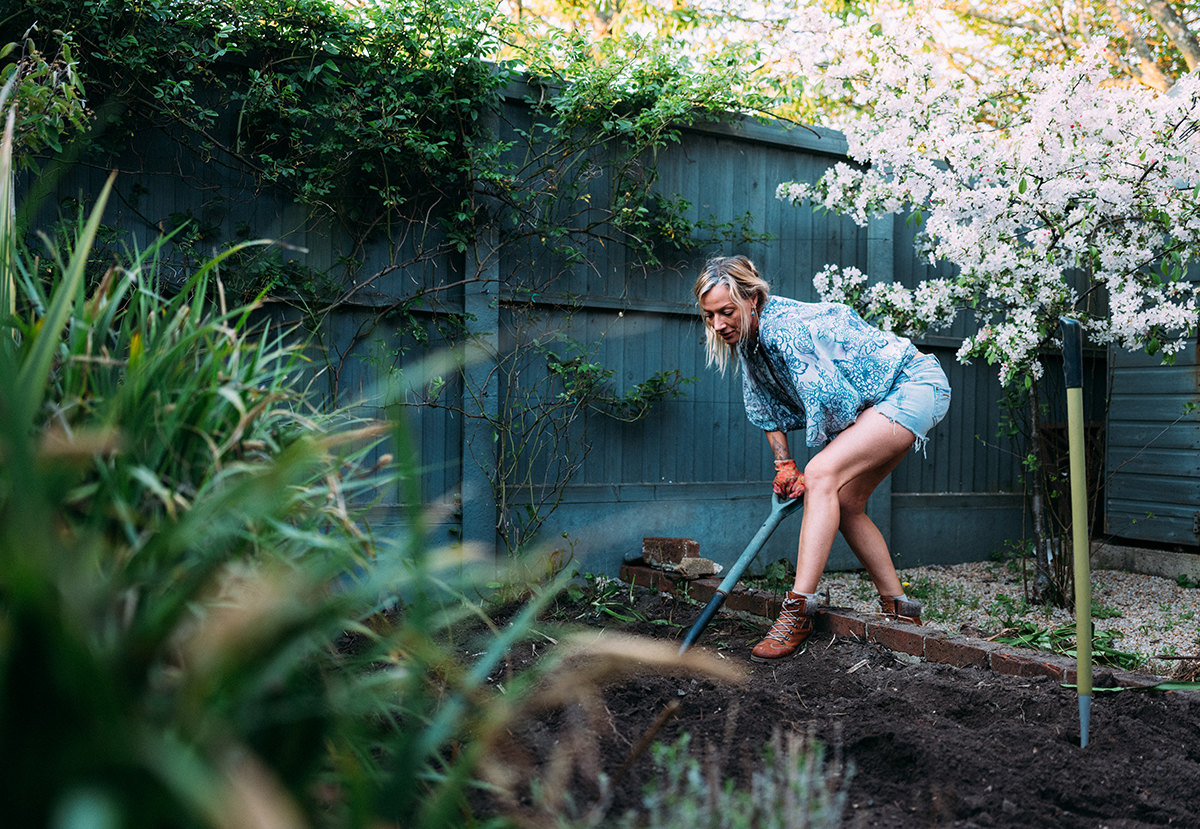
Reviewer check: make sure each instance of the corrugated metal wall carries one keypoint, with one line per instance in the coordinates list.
(694, 467)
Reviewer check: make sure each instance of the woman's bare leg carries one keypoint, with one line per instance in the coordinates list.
(861, 534)
(849, 469)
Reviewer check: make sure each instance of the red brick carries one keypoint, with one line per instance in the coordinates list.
(648, 577)
(698, 590)
(898, 637)
(630, 573)
(661, 551)
(758, 604)
(634, 574)
(1064, 663)
(961, 653)
(1014, 664)
(841, 624)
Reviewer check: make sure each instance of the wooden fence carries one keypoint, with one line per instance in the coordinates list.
(694, 466)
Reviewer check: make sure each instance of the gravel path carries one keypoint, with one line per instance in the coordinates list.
(1151, 616)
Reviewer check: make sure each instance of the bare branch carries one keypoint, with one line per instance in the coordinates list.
(967, 9)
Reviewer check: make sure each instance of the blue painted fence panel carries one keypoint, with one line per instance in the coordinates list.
(693, 466)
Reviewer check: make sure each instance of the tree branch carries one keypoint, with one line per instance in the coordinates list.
(966, 9)
(1147, 70)
(1176, 28)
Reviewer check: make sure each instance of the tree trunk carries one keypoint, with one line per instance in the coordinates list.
(1176, 28)
(1043, 551)
(1146, 71)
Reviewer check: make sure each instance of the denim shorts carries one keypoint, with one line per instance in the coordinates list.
(919, 398)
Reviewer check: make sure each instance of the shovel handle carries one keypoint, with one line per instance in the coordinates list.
(706, 615)
(780, 509)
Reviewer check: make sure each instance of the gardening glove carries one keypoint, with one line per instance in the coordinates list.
(789, 483)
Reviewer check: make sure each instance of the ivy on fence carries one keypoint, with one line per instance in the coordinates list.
(386, 124)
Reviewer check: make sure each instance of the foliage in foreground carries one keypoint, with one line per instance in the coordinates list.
(171, 527)
(797, 785)
(196, 628)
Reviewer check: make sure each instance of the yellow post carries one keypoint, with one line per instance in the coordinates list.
(1073, 373)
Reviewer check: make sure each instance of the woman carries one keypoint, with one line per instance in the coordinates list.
(862, 394)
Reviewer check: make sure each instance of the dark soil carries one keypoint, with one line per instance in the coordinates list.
(929, 744)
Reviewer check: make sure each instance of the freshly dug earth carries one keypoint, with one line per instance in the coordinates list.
(929, 744)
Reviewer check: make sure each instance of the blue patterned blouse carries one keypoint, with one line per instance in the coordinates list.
(815, 366)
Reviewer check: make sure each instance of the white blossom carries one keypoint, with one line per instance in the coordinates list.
(1097, 181)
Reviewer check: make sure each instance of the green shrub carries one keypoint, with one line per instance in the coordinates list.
(177, 531)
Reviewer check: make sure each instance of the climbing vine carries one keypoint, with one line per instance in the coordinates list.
(436, 166)
(46, 91)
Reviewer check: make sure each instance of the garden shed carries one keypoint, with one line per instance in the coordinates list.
(1152, 460)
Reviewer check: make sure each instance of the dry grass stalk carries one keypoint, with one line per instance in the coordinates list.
(538, 792)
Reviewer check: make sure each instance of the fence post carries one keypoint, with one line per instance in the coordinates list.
(881, 265)
(481, 392)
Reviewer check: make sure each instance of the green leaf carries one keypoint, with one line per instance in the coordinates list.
(1159, 686)
(35, 373)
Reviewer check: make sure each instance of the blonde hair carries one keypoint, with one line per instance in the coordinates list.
(747, 290)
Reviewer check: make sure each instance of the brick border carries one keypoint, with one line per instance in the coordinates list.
(931, 645)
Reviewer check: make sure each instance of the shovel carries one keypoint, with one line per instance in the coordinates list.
(1073, 374)
(779, 510)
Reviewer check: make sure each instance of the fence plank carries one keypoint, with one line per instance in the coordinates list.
(697, 452)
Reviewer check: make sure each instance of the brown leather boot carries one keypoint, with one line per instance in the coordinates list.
(794, 625)
(901, 607)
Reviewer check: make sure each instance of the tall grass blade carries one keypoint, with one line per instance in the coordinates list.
(8, 288)
(35, 372)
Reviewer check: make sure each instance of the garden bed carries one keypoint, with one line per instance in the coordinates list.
(929, 744)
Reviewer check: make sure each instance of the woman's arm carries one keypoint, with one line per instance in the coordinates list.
(789, 483)
(779, 445)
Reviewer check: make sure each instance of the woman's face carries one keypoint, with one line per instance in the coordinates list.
(722, 314)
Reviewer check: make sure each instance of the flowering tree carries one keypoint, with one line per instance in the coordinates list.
(1086, 202)
(1088, 205)
(1151, 42)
